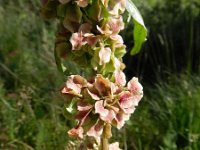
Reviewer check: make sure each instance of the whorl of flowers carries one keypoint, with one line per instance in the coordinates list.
(88, 35)
(102, 102)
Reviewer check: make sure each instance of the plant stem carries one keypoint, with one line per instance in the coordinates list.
(104, 144)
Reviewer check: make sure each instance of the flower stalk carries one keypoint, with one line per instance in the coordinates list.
(104, 144)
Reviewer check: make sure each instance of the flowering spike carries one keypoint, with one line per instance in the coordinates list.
(88, 36)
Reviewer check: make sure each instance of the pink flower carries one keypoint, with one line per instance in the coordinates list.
(126, 99)
(120, 119)
(116, 24)
(82, 37)
(82, 3)
(74, 85)
(90, 38)
(104, 55)
(114, 146)
(105, 114)
(77, 40)
(113, 26)
(99, 108)
(120, 77)
(92, 95)
(84, 110)
(117, 7)
(117, 64)
(76, 132)
(96, 130)
(127, 103)
(135, 87)
(102, 85)
(83, 106)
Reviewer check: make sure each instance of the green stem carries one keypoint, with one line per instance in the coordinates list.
(104, 144)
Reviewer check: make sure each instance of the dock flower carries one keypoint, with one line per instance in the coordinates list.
(116, 24)
(128, 101)
(82, 3)
(106, 115)
(117, 7)
(104, 55)
(120, 77)
(82, 37)
(136, 88)
(96, 130)
(74, 85)
(76, 132)
(113, 26)
(120, 119)
(103, 101)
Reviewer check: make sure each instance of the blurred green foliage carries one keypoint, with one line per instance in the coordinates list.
(173, 39)
(30, 106)
(168, 118)
(32, 114)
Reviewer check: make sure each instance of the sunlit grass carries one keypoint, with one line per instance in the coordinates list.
(169, 116)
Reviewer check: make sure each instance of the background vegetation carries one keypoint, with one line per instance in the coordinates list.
(32, 112)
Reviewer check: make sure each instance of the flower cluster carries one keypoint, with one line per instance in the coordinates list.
(101, 103)
(88, 32)
(88, 35)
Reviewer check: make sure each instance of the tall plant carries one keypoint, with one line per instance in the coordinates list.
(96, 91)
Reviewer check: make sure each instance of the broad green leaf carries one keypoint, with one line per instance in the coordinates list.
(140, 31)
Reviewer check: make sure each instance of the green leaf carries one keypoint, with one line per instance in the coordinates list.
(73, 17)
(140, 31)
(94, 10)
(61, 11)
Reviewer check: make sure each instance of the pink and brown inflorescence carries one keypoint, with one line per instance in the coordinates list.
(88, 35)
